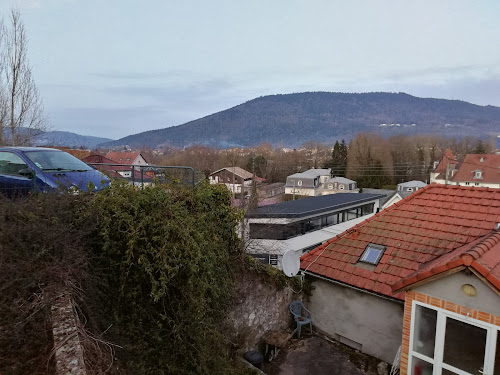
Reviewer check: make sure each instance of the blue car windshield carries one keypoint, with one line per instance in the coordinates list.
(57, 161)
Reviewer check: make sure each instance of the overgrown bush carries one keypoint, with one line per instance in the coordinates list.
(169, 253)
(152, 272)
(42, 252)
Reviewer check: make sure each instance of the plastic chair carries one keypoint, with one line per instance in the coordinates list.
(301, 315)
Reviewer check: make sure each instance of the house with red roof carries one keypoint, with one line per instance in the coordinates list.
(418, 277)
(478, 170)
(444, 169)
(129, 158)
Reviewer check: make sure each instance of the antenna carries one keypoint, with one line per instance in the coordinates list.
(290, 263)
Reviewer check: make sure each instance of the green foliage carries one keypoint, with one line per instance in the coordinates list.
(338, 162)
(168, 253)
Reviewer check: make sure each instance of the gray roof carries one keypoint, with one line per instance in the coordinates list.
(341, 180)
(386, 192)
(311, 206)
(413, 183)
(311, 173)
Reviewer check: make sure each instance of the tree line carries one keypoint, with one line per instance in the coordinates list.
(369, 159)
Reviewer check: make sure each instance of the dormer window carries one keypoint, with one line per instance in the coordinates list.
(478, 174)
(372, 254)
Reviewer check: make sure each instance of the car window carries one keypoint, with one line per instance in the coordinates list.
(11, 164)
(49, 160)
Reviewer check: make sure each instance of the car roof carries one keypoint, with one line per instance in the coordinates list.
(23, 149)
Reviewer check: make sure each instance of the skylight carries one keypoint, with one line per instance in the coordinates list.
(372, 254)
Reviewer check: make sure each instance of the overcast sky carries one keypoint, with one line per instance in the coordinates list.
(117, 67)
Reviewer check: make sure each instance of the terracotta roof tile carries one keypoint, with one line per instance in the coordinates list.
(425, 226)
(482, 254)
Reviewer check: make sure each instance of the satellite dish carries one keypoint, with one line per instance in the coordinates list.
(290, 263)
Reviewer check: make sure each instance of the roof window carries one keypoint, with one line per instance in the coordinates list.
(479, 174)
(372, 254)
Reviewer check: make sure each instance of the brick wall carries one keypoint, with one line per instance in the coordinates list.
(446, 305)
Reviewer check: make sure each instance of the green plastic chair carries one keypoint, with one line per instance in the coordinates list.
(301, 315)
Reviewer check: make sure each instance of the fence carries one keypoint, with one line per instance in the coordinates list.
(144, 175)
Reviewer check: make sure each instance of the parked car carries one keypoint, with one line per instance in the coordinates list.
(34, 169)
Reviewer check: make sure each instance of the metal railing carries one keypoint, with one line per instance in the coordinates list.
(143, 175)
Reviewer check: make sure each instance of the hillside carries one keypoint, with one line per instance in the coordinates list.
(68, 139)
(292, 119)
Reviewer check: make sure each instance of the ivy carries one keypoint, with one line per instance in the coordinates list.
(170, 255)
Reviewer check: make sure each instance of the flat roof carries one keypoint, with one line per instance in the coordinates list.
(313, 205)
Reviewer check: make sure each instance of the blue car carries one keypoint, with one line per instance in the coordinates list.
(32, 169)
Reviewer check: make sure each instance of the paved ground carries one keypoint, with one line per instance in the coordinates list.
(315, 355)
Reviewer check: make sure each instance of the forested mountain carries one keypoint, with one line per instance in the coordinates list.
(292, 119)
(67, 139)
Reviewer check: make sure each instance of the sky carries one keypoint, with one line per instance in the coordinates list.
(112, 68)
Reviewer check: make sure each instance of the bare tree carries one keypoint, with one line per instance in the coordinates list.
(21, 111)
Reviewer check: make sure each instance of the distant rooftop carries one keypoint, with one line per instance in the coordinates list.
(311, 173)
(413, 183)
(313, 205)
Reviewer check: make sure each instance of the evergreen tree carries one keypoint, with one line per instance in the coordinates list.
(338, 162)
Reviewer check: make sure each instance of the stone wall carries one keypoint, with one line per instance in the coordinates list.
(67, 345)
(259, 306)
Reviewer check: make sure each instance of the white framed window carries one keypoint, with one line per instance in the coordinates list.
(443, 342)
(299, 183)
(478, 174)
(372, 254)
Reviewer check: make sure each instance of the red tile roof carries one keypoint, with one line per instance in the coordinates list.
(489, 166)
(482, 255)
(448, 158)
(433, 221)
(121, 157)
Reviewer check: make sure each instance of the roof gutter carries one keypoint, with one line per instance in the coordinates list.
(392, 299)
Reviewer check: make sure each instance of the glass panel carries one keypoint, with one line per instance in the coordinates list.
(497, 356)
(424, 331)
(420, 367)
(464, 346)
(448, 372)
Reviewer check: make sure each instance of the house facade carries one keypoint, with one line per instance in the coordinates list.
(316, 182)
(358, 297)
(444, 169)
(236, 179)
(308, 183)
(302, 224)
(478, 170)
(455, 297)
(131, 159)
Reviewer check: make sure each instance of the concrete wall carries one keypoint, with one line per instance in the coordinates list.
(449, 289)
(259, 307)
(371, 321)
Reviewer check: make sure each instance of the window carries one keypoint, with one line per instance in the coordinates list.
(299, 183)
(330, 186)
(409, 189)
(372, 254)
(11, 164)
(479, 174)
(341, 187)
(442, 342)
